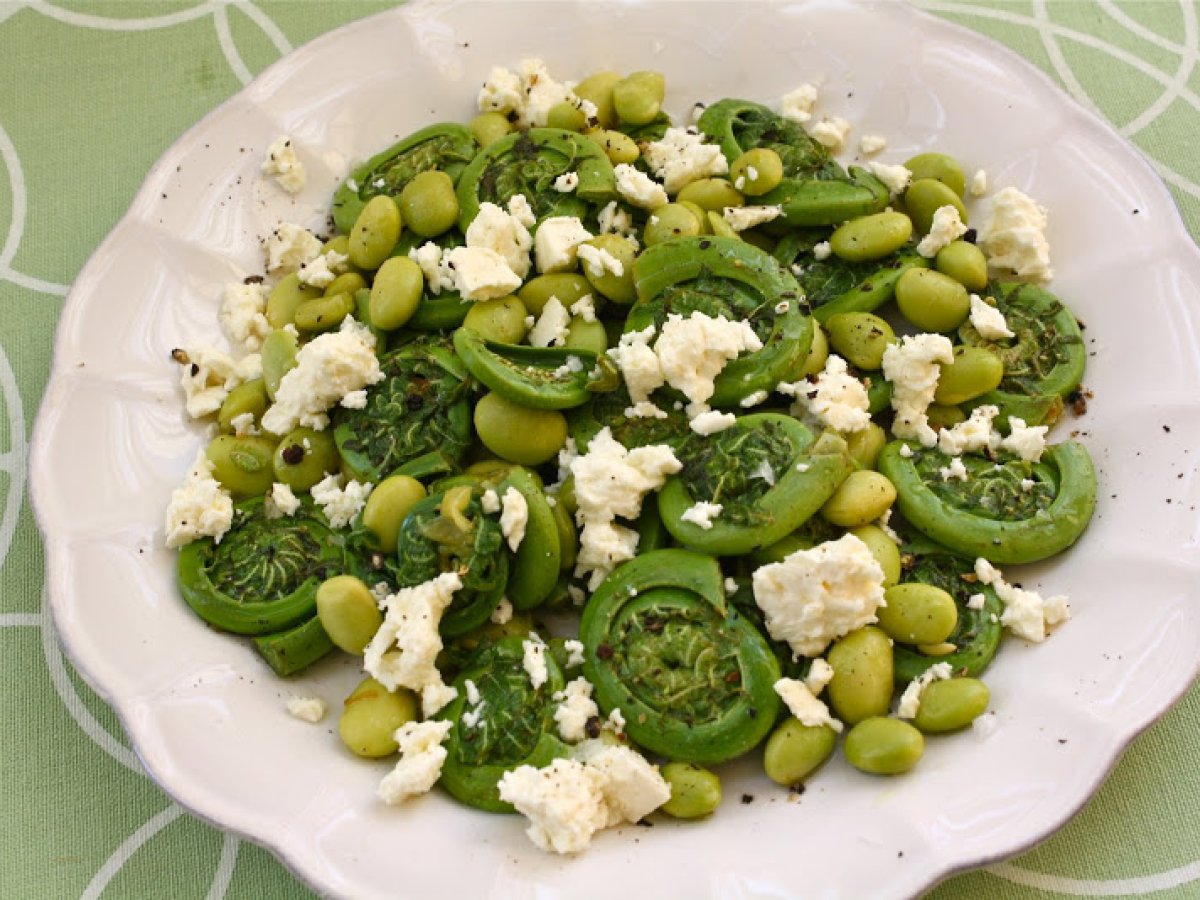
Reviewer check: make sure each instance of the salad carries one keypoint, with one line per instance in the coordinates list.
(585, 429)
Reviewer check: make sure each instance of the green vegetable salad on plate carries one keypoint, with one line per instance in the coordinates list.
(617, 448)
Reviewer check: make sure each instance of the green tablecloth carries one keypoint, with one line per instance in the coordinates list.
(90, 95)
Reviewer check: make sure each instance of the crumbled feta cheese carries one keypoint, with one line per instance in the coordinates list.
(599, 261)
(831, 133)
(638, 363)
(976, 601)
(911, 367)
(702, 514)
(585, 308)
(614, 220)
(896, 178)
(575, 707)
(740, 218)
(208, 375)
(530, 93)
(754, 399)
(557, 241)
(421, 758)
(906, 451)
(692, 352)
(820, 673)
(504, 234)
(521, 210)
(243, 424)
(633, 788)
(514, 518)
(835, 397)
(797, 106)
(283, 163)
(472, 691)
(328, 367)
(574, 650)
(616, 721)
(804, 705)
(434, 266)
(552, 325)
(1026, 613)
(870, 144)
(1026, 441)
(503, 612)
(403, 652)
(501, 92)
(1015, 236)
(566, 182)
(681, 157)
(969, 436)
(307, 709)
(711, 421)
(764, 471)
(490, 502)
(956, 471)
(815, 596)
(320, 271)
(1028, 484)
(534, 661)
(480, 273)
(563, 801)
(822, 250)
(946, 228)
(289, 247)
(199, 507)
(988, 320)
(354, 399)
(243, 315)
(572, 366)
(979, 183)
(340, 504)
(910, 700)
(638, 188)
(280, 502)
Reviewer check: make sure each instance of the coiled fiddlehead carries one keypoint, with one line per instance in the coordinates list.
(693, 679)
(608, 410)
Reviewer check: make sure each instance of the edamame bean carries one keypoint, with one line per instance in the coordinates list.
(859, 500)
(568, 287)
(489, 127)
(871, 237)
(278, 358)
(669, 221)
(598, 89)
(795, 750)
(718, 226)
(348, 613)
(387, 506)
(756, 171)
(926, 196)
(700, 214)
(945, 648)
(501, 320)
(974, 372)
(371, 716)
(566, 116)
(242, 464)
(932, 301)
(375, 232)
(862, 675)
(346, 283)
(618, 147)
(396, 293)
(324, 313)
(711, 194)
(939, 167)
(638, 97)
(304, 457)
(818, 352)
(525, 436)
(582, 335)
(942, 416)
(860, 338)
(285, 297)
(568, 539)
(882, 746)
(695, 791)
(428, 204)
(917, 613)
(884, 549)
(951, 704)
(963, 262)
(250, 397)
(865, 444)
(618, 288)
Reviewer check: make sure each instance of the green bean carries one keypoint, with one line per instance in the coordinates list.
(670, 221)
(618, 288)
(860, 337)
(974, 372)
(871, 237)
(864, 445)
(598, 89)
(568, 287)
(566, 116)
(711, 194)
(884, 549)
(862, 675)
(795, 750)
(862, 498)
(519, 434)
(939, 167)
(926, 196)
(278, 358)
(375, 232)
(882, 746)
(371, 716)
(250, 397)
(324, 313)
(489, 127)
(387, 506)
(501, 320)
(638, 97)
(348, 612)
(951, 704)
(918, 613)
(757, 171)
(396, 293)
(242, 464)
(963, 262)
(304, 457)
(428, 204)
(695, 791)
(285, 297)
(932, 301)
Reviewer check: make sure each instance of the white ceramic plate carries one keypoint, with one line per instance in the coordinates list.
(207, 718)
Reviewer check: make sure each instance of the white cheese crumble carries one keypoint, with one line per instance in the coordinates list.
(712, 421)
(552, 326)
(243, 315)
(557, 241)
(910, 700)
(870, 144)
(831, 133)
(692, 352)
(835, 397)
(514, 517)
(681, 157)
(504, 234)
(906, 451)
(503, 612)
(328, 367)
(633, 788)
(566, 182)
(321, 270)
(976, 601)
(480, 273)
(289, 247)
(970, 436)
(199, 507)
(599, 261)
(280, 502)
(988, 321)
(754, 399)
(534, 660)
(574, 650)
(307, 709)
(764, 471)
(979, 183)
(740, 218)
(822, 250)
(946, 228)
(638, 188)
(403, 652)
(529, 93)
(243, 424)
(1026, 613)
(208, 375)
(614, 220)
(815, 596)
(956, 471)
(911, 367)
(340, 504)
(585, 308)
(797, 106)
(639, 365)
(563, 801)
(895, 177)
(1026, 441)
(575, 707)
(421, 758)
(820, 673)
(702, 513)
(434, 266)
(285, 166)
(804, 705)
(1015, 236)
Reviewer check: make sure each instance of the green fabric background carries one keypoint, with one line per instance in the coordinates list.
(91, 93)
